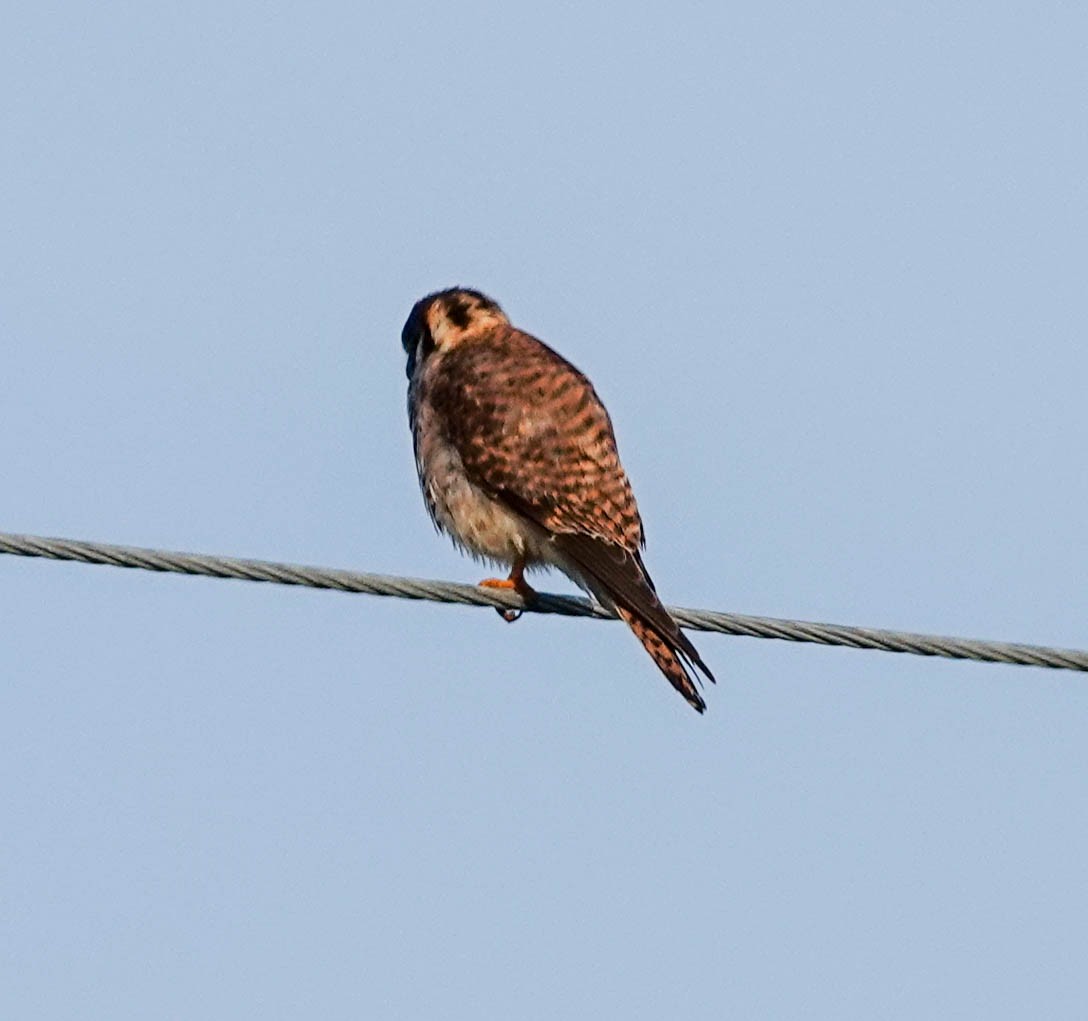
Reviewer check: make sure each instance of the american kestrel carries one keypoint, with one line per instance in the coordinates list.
(518, 465)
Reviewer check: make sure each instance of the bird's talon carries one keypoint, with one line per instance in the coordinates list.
(515, 583)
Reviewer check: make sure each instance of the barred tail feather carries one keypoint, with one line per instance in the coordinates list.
(666, 657)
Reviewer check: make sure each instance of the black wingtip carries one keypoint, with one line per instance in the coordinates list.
(695, 700)
(694, 662)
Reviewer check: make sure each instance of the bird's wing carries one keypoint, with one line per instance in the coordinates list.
(527, 423)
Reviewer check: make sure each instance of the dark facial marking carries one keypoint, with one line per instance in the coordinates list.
(458, 310)
(461, 302)
(415, 337)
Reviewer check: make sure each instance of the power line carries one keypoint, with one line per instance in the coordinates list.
(570, 606)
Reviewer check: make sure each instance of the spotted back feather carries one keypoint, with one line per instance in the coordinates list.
(527, 422)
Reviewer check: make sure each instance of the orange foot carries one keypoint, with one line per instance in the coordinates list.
(516, 583)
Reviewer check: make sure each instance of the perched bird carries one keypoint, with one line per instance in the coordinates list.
(518, 465)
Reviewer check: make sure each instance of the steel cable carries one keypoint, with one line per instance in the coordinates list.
(472, 595)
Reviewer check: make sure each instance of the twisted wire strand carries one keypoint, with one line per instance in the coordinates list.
(570, 606)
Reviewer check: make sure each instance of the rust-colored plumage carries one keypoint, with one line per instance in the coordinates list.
(518, 463)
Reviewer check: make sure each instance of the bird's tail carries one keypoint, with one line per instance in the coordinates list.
(667, 656)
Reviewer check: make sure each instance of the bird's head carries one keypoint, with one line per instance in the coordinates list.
(444, 319)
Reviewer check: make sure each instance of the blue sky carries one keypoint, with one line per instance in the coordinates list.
(826, 268)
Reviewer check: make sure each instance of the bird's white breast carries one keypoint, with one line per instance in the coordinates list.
(471, 517)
